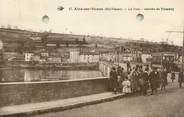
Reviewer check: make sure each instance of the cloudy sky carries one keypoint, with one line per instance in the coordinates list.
(27, 14)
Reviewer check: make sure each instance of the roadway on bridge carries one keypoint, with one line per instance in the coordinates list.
(167, 103)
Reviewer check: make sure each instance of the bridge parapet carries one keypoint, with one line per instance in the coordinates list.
(17, 93)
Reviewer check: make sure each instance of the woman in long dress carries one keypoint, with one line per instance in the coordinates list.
(134, 80)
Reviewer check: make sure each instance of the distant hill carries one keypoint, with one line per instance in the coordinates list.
(25, 36)
(17, 35)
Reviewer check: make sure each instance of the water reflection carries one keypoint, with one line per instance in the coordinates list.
(22, 75)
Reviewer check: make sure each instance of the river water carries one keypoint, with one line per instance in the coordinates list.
(28, 75)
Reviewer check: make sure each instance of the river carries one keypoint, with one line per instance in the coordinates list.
(28, 75)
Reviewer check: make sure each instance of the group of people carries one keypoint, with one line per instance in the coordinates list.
(139, 80)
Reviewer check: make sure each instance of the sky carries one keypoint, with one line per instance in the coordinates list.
(27, 14)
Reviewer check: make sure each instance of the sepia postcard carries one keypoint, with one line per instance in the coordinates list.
(88, 58)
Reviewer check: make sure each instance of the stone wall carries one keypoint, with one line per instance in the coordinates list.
(31, 92)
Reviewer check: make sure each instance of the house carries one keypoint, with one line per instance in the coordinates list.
(108, 56)
(74, 57)
(89, 57)
(28, 56)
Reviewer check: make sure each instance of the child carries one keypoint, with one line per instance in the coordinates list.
(126, 86)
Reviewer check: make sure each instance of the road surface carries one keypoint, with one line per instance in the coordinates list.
(169, 103)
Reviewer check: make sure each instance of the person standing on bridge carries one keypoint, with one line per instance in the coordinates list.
(134, 80)
(124, 74)
(119, 78)
(154, 81)
(113, 80)
(128, 67)
(145, 82)
(180, 78)
(163, 78)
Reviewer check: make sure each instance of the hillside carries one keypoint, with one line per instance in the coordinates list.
(17, 37)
